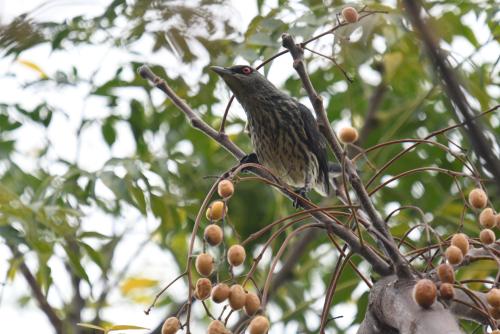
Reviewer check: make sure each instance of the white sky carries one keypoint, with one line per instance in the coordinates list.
(94, 151)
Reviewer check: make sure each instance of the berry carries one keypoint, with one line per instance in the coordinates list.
(236, 255)
(259, 325)
(225, 188)
(204, 264)
(454, 255)
(487, 236)
(493, 297)
(220, 293)
(350, 14)
(445, 273)
(170, 326)
(217, 327)
(447, 291)
(487, 218)
(461, 241)
(213, 234)
(478, 198)
(252, 304)
(424, 293)
(216, 211)
(348, 135)
(495, 312)
(203, 289)
(237, 297)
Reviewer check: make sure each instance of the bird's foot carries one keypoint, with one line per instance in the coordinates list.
(303, 193)
(247, 159)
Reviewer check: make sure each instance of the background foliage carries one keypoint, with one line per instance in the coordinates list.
(49, 200)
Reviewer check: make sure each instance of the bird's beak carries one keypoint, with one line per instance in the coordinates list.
(222, 71)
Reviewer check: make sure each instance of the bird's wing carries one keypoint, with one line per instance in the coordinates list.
(316, 143)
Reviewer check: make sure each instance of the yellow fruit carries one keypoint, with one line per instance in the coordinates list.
(217, 327)
(493, 297)
(446, 273)
(204, 264)
(259, 325)
(487, 218)
(350, 14)
(225, 188)
(220, 293)
(213, 234)
(203, 289)
(236, 255)
(424, 293)
(487, 236)
(447, 291)
(216, 211)
(348, 134)
(252, 304)
(170, 326)
(478, 198)
(454, 255)
(461, 241)
(237, 297)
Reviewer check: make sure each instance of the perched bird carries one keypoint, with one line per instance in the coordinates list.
(284, 133)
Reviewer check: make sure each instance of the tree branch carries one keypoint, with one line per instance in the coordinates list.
(297, 52)
(451, 84)
(379, 265)
(38, 293)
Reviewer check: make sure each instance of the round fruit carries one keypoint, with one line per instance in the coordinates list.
(424, 293)
(236, 255)
(217, 327)
(350, 14)
(225, 188)
(487, 236)
(252, 304)
(487, 218)
(348, 135)
(220, 293)
(454, 255)
(493, 297)
(259, 325)
(237, 297)
(496, 331)
(494, 312)
(478, 198)
(447, 291)
(446, 273)
(204, 264)
(170, 326)
(213, 234)
(216, 211)
(203, 289)
(461, 241)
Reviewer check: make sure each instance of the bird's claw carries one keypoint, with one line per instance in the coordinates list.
(249, 159)
(303, 193)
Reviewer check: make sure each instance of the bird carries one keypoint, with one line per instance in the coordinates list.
(284, 133)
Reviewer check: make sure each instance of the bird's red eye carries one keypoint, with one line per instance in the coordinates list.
(246, 70)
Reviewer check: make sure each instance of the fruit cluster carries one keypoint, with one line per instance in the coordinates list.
(425, 291)
(235, 294)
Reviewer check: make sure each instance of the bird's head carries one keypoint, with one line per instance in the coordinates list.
(243, 80)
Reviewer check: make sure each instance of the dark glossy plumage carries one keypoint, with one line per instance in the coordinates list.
(283, 131)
